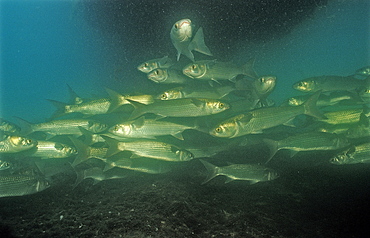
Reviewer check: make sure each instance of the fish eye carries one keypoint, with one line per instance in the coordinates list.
(221, 105)
(176, 25)
(164, 96)
(146, 65)
(218, 129)
(28, 141)
(194, 66)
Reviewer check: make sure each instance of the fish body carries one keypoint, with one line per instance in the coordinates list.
(184, 107)
(254, 122)
(143, 165)
(348, 116)
(311, 141)
(98, 175)
(168, 76)
(210, 93)
(182, 38)
(326, 100)
(216, 70)
(250, 172)
(150, 65)
(364, 71)
(21, 184)
(329, 83)
(148, 128)
(14, 144)
(86, 152)
(88, 108)
(149, 149)
(119, 99)
(354, 155)
(8, 127)
(52, 150)
(65, 127)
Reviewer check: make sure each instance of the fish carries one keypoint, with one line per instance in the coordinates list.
(207, 93)
(182, 38)
(15, 144)
(149, 128)
(98, 175)
(63, 127)
(255, 121)
(333, 98)
(52, 150)
(329, 83)
(347, 116)
(150, 65)
(143, 165)
(8, 127)
(364, 71)
(310, 141)
(183, 107)
(262, 88)
(168, 76)
(353, 155)
(4, 165)
(87, 108)
(253, 173)
(85, 152)
(360, 129)
(119, 99)
(214, 70)
(22, 183)
(150, 149)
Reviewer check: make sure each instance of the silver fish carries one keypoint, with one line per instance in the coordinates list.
(329, 83)
(182, 38)
(254, 122)
(354, 155)
(168, 76)
(149, 128)
(150, 65)
(209, 93)
(149, 149)
(52, 150)
(216, 70)
(184, 107)
(250, 172)
(22, 184)
(14, 144)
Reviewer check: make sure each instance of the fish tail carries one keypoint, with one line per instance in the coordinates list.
(198, 43)
(116, 99)
(248, 69)
(113, 146)
(212, 170)
(310, 107)
(61, 108)
(26, 127)
(138, 111)
(82, 149)
(273, 148)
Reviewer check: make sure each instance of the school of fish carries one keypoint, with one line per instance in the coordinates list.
(210, 110)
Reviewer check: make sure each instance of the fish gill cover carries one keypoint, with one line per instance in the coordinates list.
(248, 110)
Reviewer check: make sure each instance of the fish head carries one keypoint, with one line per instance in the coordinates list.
(147, 67)
(344, 157)
(215, 106)
(96, 127)
(182, 30)
(158, 75)
(5, 165)
(195, 70)
(225, 130)
(41, 184)
(295, 101)
(22, 142)
(121, 129)
(184, 155)
(65, 149)
(171, 94)
(265, 84)
(305, 85)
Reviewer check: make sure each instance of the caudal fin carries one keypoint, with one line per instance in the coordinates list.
(198, 43)
(61, 108)
(212, 170)
(82, 149)
(248, 69)
(310, 106)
